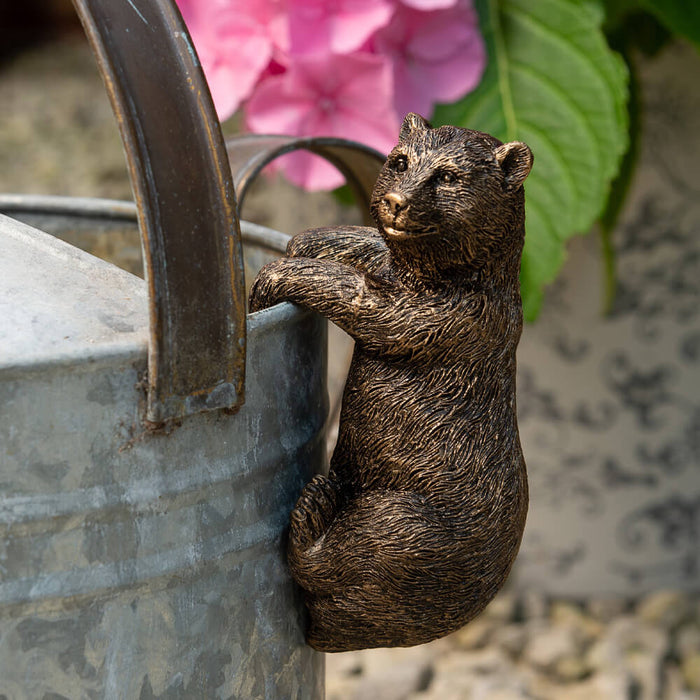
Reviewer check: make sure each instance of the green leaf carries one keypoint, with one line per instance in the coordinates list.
(553, 82)
(620, 186)
(682, 17)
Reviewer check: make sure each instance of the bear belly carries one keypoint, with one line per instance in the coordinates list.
(406, 429)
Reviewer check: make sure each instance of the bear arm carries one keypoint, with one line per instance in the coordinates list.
(371, 313)
(359, 246)
(399, 330)
(338, 292)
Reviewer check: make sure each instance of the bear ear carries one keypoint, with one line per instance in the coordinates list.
(515, 159)
(413, 123)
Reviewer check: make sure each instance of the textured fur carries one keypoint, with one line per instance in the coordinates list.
(418, 523)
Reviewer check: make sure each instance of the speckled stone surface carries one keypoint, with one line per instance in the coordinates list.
(609, 404)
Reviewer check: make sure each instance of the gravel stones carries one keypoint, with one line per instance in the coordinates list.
(534, 649)
(690, 668)
(666, 609)
(382, 674)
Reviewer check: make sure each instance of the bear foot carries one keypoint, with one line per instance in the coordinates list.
(313, 512)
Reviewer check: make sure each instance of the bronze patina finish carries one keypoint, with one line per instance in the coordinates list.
(420, 518)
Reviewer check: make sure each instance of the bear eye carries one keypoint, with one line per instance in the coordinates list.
(400, 164)
(446, 178)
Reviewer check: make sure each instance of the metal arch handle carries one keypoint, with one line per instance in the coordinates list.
(359, 164)
(186, 204)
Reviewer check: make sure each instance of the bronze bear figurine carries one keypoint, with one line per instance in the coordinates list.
(418, 522)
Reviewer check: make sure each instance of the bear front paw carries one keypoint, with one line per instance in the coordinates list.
(263, 292)
(313, 513)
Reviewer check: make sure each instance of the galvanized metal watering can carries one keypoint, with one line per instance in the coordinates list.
(147, 470)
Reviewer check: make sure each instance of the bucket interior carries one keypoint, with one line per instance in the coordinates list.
(108, 229)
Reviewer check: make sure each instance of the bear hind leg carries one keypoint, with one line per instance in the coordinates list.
(313, 513)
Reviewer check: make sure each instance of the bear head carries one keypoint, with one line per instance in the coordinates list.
(450, 200)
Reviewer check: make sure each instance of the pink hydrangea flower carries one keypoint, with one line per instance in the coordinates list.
(235, 41)
(326, 95)
(345, 68)
(427, 5)
(438, 56)
(334, 26)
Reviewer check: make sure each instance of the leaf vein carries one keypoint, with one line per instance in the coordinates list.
(564, 166)
(537, 25)
(563, 96)
(502, 72)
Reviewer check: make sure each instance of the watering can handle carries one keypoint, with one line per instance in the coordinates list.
(186, 203)
(359, 164)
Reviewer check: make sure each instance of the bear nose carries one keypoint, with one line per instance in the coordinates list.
(395, 202)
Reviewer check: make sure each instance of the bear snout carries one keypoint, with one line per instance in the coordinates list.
(395, 202)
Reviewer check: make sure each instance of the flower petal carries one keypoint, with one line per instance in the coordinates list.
(348, 96)
(427, 5)
(233, 44)
(437, 56)
(309, 171)
(321, 27)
